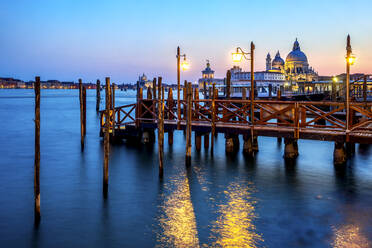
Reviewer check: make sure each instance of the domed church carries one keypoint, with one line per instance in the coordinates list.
(296, 67)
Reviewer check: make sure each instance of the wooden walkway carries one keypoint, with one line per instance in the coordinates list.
(287, 119)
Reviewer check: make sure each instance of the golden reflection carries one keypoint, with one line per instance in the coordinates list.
(178, 221)
(350, 236)
(235, 227)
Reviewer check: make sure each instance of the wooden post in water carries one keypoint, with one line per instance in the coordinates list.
(244, 97)
(106, 145)
(37, 151)
(160, 126)
(98, 94)
(81, 114)
(278, 97)
(154, 88)
(170, 116)
(188, 123)
(85, 111)
(228, 84)
(213, 106)
(113, 108)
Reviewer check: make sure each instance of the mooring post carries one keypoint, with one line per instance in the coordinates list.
(98, 95)
(206, 141)
(188, 123)
(113, 108)
(37, 151)
(185, 89)
(213, 109)
(278, 97)
(228, 84)
(196, 103)
(160, 126)
(244, 97)
(81, 114)
(149, 94)
(137, 106)
(106, 145)
(85, 110)
(170, 114)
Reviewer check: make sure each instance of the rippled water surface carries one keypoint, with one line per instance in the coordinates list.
(221, 201)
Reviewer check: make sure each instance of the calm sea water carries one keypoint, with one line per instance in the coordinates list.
(219, 202)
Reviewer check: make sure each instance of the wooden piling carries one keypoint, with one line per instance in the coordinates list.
(154, 88)
(98, 95)
(228, 84)
(213, 117)
(196, 104)
(244, 97)
(85, 111)
(198, 139)
(113, 108)
(160, 126)
(206, 140)
(81, 114)
(149, 94)
(106, 144)
(37, 152)
(188, 123)
(170, 103)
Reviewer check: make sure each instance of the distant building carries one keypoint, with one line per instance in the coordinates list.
(208, 79)
(295, 68)
(144, 82)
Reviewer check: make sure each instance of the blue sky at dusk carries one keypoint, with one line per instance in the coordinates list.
(70, 39)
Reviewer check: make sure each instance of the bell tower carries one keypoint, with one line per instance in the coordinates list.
(268, 62)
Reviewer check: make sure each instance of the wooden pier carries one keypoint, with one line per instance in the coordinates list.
(291, 120)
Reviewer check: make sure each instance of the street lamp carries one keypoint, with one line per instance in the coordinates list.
(185, 66)
(237, 57)
(350, 59)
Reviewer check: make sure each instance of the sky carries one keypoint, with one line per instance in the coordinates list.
(89, 39)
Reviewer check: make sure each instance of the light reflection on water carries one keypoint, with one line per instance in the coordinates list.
(178, 222)
(235, 224)
(350, 236)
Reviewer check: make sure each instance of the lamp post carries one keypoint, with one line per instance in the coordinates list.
(237, 57)
(350, 59)
(185, 66)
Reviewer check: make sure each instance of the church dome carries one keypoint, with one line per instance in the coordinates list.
(278, 61)
(296, 55)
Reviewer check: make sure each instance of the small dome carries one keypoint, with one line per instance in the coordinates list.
(296, 55)
(278, 61)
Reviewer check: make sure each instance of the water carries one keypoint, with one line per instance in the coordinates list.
(220, 201)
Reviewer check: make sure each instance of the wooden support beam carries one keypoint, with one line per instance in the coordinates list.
(206, 140)
(98, 95)
(188, 123)
(339, 154)
(106, 145)
(198, 139)
(85, 111)
(37, 214)
(161, 126)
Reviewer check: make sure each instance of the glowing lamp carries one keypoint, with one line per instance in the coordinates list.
(237, 57)
(185, 65)
(351, 59)
(335, 79)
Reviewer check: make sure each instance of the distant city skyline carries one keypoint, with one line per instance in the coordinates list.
(67, 40)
